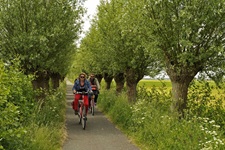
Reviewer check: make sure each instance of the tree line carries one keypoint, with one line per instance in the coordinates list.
(130, 39)
(42, 35)
(127, 40)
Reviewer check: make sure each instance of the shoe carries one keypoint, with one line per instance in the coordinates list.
(76, 112)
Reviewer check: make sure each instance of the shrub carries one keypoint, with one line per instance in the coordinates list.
(202, 102)
(149, 122)
(47, 129)
(16, 103)
(25, 123)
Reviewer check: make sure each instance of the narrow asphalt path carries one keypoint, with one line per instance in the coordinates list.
(100, 133)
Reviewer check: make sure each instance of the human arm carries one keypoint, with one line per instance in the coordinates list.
(97, 84)
(74, 89)
(88, 86)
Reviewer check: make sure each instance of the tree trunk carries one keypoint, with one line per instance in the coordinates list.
(120, 80)
(108, 79)
(179, 95)
(41, 82)
(180, 83)
(55, 79)
(132, 79)
(99, 77)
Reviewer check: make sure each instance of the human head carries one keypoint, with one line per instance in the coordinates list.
(92, 75)
(82, 76)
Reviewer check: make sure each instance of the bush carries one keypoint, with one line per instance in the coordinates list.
(150, 124)
(25, 123)
(47, 129)
(16, 103)
(204, 102)
(51, 110)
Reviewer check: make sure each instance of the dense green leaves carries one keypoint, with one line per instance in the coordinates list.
(25, 123)
(16, 106)
(145, 36)
(41, 33)
(190, 37)
(188, 33)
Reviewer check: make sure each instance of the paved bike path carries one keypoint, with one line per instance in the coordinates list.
(100, 133)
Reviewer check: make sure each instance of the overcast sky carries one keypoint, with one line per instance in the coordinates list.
(91, 6)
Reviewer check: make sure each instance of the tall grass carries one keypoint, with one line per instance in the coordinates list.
(48, 126)
(149, 122)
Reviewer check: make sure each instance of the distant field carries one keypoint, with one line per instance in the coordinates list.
(158, 83)
(155, 83)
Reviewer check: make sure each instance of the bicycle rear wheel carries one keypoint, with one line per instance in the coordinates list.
(92, 107)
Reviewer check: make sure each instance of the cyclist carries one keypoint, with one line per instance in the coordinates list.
(95, 86)
(81, 85)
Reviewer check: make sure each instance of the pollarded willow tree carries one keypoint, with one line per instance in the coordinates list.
(42, 34)
(190, 37)
(89, 57)
(118, 24)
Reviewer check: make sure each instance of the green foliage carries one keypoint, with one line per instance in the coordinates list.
(151, 125)
(45, 138)
(50, 111)
(114, 42)
(16, 106)
(47, 128)
(106, 105)
(41, 33)
(146, 36)
(27, 124)
(121, 111)
(205, 103)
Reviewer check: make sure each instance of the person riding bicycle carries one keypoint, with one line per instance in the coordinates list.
(95, 86)
(81, 85)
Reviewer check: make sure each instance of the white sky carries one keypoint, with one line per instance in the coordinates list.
(91, 6)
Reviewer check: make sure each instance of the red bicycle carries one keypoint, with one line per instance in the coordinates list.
(82, 110)
(92, 103)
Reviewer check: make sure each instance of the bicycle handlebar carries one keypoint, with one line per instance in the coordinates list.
(83, 93)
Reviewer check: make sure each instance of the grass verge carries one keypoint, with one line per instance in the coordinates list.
(149, 122)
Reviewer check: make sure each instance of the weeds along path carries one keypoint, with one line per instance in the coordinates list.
(100, 133)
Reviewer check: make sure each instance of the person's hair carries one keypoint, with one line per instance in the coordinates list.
(82, 74)
(92, 74)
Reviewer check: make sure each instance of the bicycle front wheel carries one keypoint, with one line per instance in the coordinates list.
(80, 115)
(84, 118)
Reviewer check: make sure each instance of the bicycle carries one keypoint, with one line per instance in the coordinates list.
(82, 110)
(92, 105)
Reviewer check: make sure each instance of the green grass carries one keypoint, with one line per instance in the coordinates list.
(149, 84)
(47, 130)
(46, 138)
(148, 122)
(155, 83)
